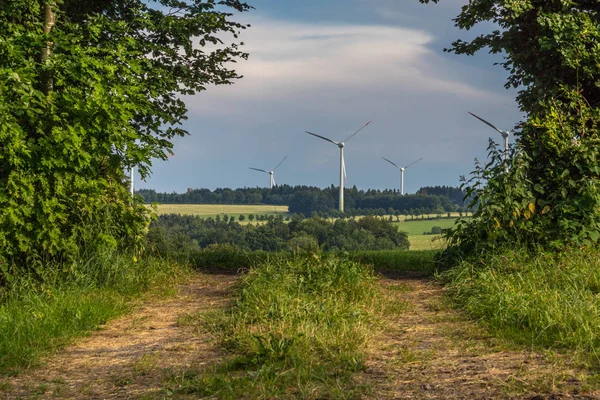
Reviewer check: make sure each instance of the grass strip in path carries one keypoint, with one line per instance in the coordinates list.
(298, 329)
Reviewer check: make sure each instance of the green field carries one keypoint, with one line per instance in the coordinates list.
(419, 227)
(210, 210)
(416, 228)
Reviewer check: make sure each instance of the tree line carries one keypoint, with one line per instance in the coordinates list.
(173, 233)
(308, 199)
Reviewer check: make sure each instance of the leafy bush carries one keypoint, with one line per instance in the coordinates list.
(435, 230)
(547, 196)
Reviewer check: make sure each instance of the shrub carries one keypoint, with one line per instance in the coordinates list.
(303, 244)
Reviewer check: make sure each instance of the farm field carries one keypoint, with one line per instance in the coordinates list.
(416, 228)
(210, 210)
(425, 242)
(207, 210)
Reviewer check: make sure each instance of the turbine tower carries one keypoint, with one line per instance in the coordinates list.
(402, 172)
(131, 186)
(342, 163)
(271, 173)
(505, 135)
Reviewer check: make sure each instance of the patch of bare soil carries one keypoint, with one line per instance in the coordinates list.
(430, 351)
(129, 357)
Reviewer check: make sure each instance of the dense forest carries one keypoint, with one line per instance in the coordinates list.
(172, 233)
(307, 199)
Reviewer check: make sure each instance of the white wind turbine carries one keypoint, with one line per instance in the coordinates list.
(271, 173)
(342, 163)
(505, 135)
(402, 172)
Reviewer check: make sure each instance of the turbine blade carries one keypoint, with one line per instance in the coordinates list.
(261, 170)
(391, 162)
(273, 179)
(322, 137)
(361, 128)
(487, 123)
(280, 163)
(413, 163)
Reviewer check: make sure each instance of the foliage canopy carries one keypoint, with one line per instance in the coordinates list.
(171, 234)
(549, 194)
(88, 89)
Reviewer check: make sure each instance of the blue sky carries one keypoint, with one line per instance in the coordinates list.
(330, 66)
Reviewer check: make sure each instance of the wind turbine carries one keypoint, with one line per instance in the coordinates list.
(342, 163)
(271, 173)
(402, 172)
(505, 134)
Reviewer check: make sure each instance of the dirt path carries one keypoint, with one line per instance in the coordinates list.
(428, 351)
(432, 352)
(129, 357)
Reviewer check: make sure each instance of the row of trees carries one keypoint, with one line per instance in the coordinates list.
(176, 233)
(307, 200)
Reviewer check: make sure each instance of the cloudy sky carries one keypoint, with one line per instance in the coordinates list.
(329, 66)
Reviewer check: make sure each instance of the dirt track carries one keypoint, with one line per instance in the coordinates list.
(433, 352)
(426, 352)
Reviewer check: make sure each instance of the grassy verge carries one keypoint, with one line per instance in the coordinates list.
(298, 329)
(545, 300)
(231, 258)
(37, 318)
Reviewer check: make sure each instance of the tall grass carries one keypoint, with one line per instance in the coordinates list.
(543, 299)
(38, 315)
(415, 261)
(233, 258)
(298, 329)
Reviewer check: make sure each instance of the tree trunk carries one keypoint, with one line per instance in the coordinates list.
(49, 21)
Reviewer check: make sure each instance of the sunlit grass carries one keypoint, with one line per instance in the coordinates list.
(541, 299)
(36, 317)
(298, 329)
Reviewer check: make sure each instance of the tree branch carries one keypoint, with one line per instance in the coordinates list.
(49, 22)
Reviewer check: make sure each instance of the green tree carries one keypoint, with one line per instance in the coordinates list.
(547, 45)
(89, 89)
(549, 194)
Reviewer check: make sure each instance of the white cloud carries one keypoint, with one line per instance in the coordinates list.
(292, 60)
